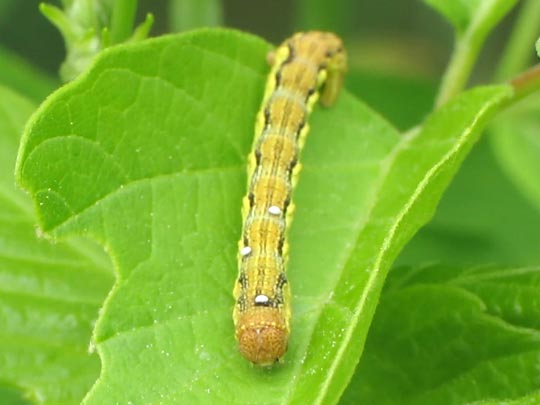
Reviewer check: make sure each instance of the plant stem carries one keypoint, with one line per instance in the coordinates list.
(185, 15)
(468, 45)
(459, 69)
(526, 83)
(123, 17)
(59, 19)
(520, 47)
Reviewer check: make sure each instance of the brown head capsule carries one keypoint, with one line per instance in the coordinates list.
(262, 336)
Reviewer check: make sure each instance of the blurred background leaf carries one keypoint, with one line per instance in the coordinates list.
(516, 144)
(480, 341)
(185, 15)
(481, 219)
(50, 294)
(23, 77)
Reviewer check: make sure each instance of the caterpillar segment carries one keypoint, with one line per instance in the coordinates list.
(307, 67)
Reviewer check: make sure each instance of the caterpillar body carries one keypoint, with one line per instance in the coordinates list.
(306, 67)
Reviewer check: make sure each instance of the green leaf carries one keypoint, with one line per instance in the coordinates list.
(517, 146)
(147, 153)
(446, 335)
(458, 12)
(49, 294)
(481, 218)
(531, 399)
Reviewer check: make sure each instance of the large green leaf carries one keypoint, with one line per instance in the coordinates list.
(446, 335)
(147, 152)
(49, 294)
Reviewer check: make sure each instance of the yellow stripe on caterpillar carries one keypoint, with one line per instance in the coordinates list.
(304, 65)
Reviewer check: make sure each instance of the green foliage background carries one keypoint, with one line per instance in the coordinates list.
(144, 153)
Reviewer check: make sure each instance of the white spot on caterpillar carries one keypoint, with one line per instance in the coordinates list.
(261, 299)
(246, 250)
(274, 210)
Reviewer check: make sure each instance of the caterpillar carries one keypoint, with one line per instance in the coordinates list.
(306, 67)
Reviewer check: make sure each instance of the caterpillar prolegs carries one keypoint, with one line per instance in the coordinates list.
(303, 67)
